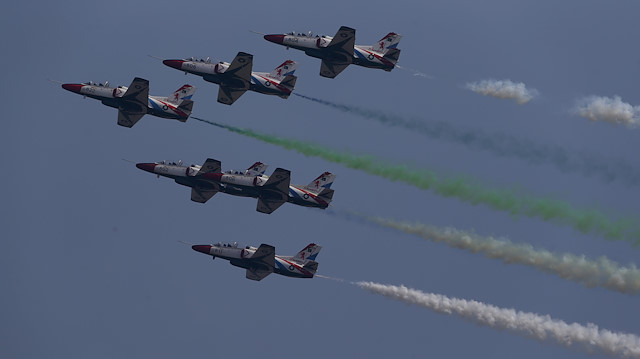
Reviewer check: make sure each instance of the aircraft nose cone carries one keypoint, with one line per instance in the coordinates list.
(176, 64)
(278, 39)
(72, 87)
(146, 166)
(202, 248)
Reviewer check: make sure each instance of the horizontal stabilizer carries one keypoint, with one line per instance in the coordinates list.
(311, 266)
(289, 81)
(326, 195)
(186, 106)
(392, 55)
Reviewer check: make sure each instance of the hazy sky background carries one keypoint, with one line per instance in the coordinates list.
(91, 264)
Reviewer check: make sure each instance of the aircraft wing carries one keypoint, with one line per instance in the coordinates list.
(257, 273)
(134, 103)
(341, 48)
(128, 119)
(264, 261)
(241, 67)
(332, 69)
(228, 95)
(211, 165)
(236, 78)
(344, 40)
(266, 205)
(201, 194)
(275, 191)
(138, 91)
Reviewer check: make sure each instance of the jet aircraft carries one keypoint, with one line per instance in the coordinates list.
(237, 77)
(262, 261)
(271, 191)
(340, 51)
(134, 101)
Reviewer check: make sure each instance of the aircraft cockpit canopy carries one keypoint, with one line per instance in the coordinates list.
(91, 83)
(206, 61)
(228, 245)
(234, 172)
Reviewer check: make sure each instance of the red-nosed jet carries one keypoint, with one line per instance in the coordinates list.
(262, 261)
(134, 101)
(340, 51)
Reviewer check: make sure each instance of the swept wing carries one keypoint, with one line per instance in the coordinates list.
(341, 49)
(263, 262)
(134, 103)
(275, 191)
(236, 79)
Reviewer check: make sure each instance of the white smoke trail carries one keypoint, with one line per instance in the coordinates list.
(600, 272)
(416, 73)
(503, 89)
(531, 325)
(330, 278)
(598, 108)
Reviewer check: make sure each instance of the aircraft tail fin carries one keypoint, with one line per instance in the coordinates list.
(257, 168)
(392, 55)
(287, 68)
(310, 252)
(183, 93)
(390, 41)
(321, 182)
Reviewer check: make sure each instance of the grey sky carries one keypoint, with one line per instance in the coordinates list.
(91, 264)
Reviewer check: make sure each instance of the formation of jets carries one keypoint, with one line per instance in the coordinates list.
(234, 79)
(271, 191)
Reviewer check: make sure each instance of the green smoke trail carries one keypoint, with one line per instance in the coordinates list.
(584, 220)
